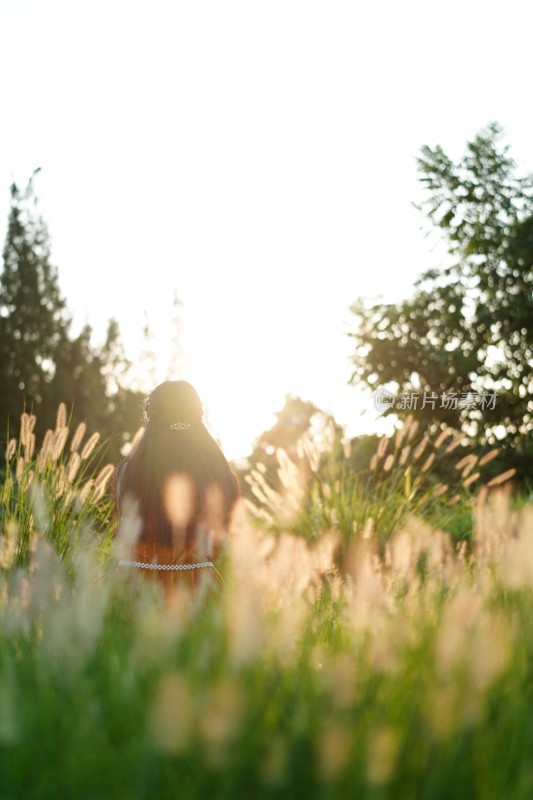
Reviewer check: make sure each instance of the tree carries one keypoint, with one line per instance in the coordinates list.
(33, 321)
(297, 419)
(41, 365)
(469, 326)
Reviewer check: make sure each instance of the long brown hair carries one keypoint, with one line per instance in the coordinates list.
(175, 442)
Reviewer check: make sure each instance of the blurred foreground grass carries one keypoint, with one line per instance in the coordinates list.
(341, 658)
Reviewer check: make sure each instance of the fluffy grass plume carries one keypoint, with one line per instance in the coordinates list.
(400, 670)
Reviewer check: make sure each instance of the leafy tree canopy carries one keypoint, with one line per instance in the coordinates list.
(468, 328)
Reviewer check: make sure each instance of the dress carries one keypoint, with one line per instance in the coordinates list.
(161, 563)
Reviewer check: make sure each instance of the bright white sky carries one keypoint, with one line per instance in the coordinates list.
(259, 159)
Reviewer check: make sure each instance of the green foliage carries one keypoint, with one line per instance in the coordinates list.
(469, 325)
(409, 474)
(405, 675)
(32, 312)
(41, 363)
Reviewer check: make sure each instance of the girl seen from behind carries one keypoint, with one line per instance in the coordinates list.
(182, 488)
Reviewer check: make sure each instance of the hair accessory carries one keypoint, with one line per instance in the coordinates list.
(180, 426)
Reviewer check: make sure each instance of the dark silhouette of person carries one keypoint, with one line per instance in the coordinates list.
(182, 488)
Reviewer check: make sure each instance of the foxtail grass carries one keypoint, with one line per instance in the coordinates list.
(399, 675)
(325, 493)
(55, 490)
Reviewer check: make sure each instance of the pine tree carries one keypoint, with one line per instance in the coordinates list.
(41, 364)
(33, 320)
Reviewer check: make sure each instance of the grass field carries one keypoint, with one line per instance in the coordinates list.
(373, 638)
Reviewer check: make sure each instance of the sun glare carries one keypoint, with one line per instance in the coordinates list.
(243, 372)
